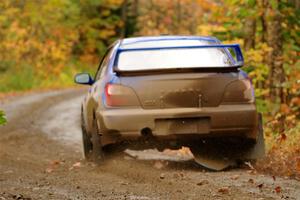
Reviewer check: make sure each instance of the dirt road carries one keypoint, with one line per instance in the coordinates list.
(41, 158)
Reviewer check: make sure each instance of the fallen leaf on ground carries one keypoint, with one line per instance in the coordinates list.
(224, 190)
(203, 182)
(53, 165)
(158, 165)
(260, 186)
(235, 177)
(249, 165)
(252, 172)
(76, 165)
(123, 183)
(49, 170)
(278, 189)
(215, 195)
(55, 162)
(162, 176)
(251, 181)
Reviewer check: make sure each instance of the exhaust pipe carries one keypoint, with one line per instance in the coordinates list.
(146, 132)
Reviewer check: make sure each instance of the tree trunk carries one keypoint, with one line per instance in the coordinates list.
(263, 18)
(249, 33)
(124, 18)
(178, 16)
(135, 15)
(275, 57)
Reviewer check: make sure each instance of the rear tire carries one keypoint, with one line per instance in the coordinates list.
(92, 148)
(86, 141)
(97, 151)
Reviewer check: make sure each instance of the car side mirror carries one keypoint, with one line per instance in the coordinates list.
(83, 78)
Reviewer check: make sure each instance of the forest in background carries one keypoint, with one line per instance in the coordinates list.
(44, 43)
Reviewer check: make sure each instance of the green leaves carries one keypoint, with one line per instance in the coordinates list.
(2, 118)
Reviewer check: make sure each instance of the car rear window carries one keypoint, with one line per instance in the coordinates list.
(169, 58)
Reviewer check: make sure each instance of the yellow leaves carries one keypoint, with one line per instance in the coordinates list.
(88, 58)
(291, 119)
(284, 25)
(113, 2)
(105, 13)
(256, 60)
(264, 47)
(234, 41)
(208, 29)
(107, 33)
(207, 5)
(42, 50)
(257, 55)
(169, 17)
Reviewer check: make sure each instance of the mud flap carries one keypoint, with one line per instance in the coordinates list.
(258, 150)
(213, 163)
(213, 157)
(219, 156)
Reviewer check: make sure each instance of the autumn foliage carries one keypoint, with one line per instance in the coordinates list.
(44, 44)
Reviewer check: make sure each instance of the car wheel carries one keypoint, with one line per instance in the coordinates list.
(86, 141)
(97, 151)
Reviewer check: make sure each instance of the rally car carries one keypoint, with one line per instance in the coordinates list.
(180, 89)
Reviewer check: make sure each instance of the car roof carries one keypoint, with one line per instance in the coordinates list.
(162, 41)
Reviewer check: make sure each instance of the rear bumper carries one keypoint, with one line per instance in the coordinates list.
(240, 120)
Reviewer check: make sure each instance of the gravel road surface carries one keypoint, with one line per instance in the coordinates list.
(41, 158)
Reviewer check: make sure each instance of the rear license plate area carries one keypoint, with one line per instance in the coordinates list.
(199, 125)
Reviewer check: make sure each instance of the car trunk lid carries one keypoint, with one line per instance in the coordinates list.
(179, 90)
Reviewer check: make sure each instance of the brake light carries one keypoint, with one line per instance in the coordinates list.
(239, 91)
(119, 95)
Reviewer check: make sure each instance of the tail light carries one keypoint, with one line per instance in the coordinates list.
(119, 95)
(239, 91)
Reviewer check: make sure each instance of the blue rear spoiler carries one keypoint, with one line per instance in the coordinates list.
(236, 47)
